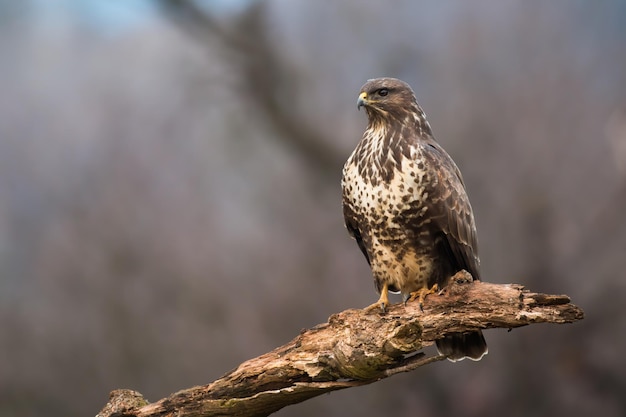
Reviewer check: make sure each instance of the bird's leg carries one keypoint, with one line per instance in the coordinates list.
(383, 300)
(421, 294)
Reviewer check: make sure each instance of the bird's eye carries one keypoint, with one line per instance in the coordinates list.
(383, 92)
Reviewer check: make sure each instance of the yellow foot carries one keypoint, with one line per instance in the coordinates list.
(383, 301)
(421, 294)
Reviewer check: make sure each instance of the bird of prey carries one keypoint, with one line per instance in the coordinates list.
(404, 201)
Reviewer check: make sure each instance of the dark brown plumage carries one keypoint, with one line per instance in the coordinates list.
(405, 203)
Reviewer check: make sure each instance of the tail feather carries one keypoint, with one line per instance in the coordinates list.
(458, 346)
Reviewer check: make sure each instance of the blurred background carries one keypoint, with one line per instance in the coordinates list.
(170, 191)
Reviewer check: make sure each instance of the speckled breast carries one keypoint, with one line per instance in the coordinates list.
(392, 218)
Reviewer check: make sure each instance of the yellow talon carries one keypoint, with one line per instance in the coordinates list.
(383, 300)
(421, 294)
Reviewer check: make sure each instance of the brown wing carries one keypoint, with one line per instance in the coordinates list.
(451, 210)
(352, 225)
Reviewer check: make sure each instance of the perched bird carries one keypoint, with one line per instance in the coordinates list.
(404, 201)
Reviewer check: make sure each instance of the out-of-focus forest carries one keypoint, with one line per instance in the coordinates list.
(170, 197)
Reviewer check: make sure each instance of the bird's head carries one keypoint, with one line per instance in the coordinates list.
(385, 98)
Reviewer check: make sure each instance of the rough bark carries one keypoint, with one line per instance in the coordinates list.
(355, 347)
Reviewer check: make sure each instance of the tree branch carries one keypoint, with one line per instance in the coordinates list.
(355, 347)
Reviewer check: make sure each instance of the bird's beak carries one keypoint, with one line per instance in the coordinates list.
(362, 101)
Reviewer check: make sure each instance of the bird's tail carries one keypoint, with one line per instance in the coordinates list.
(458, 346)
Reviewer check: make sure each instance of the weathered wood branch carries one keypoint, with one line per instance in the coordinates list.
(355, 347)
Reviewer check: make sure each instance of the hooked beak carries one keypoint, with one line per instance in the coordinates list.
(362, 101)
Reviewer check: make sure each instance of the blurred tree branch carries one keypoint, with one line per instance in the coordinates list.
(266, 79)
(355, 347)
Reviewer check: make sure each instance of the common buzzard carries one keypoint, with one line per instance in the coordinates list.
(404, 201)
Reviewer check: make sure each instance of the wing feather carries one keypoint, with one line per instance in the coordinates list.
(352, 225)
(451, 209)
